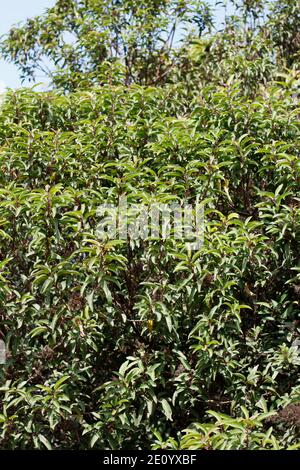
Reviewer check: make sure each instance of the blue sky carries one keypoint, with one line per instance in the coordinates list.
(13, 12)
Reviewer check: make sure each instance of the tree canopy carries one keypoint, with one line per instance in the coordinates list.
(143, 344)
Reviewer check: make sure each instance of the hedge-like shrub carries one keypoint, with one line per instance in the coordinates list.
(111, 342)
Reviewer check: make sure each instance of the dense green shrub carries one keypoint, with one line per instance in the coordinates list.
(126, 343)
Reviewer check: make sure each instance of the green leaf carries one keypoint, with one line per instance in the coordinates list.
(167, 409)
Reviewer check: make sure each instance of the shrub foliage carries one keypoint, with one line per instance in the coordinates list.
(139, 343)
